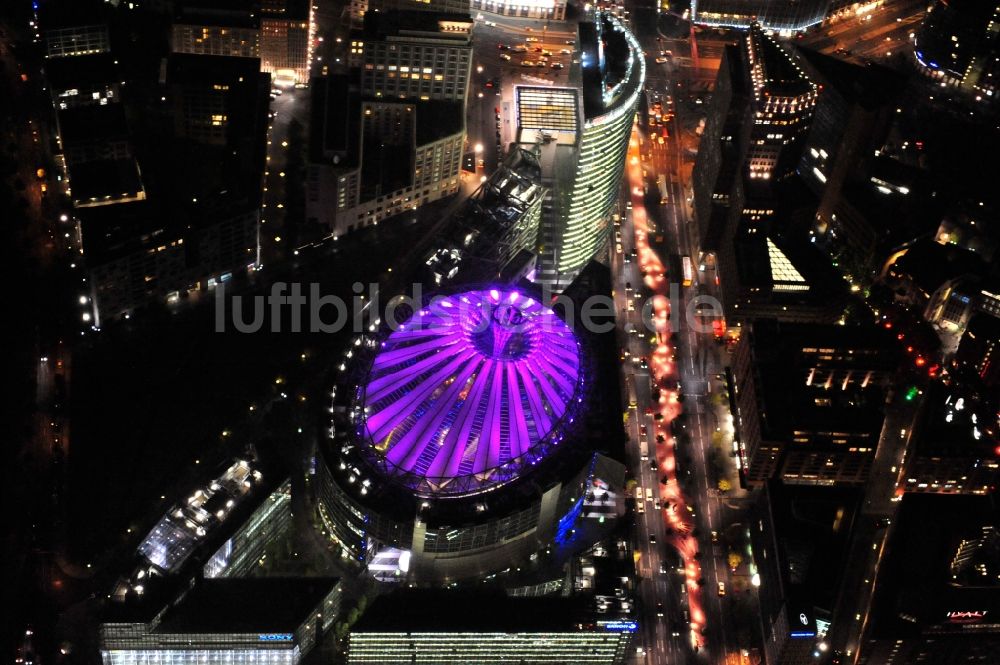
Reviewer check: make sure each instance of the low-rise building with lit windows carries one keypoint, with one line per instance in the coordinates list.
(216, 29)
(286, 31)
(265, 621)
(778, 16)
(279, 34)
(425, 627)
(373, 159)
(73, 27)
(388, 137)
(413, 55)
(553, 10)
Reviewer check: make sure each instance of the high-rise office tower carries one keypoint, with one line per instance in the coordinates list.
(581, 135)
(784, 97)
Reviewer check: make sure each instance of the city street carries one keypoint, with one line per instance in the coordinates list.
(699, 517)
(875, 35)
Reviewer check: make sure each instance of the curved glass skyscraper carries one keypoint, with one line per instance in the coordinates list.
(607, 125)
(581, 136)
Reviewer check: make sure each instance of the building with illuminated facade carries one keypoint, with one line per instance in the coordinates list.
(457, 626)
(216, 29)
(276, 31)
(388, 137)
(73, 27)
(554, 10)
(456, 442)
(809, 401)
(194, 594)
(240, 554)
(581, 134)
(416, 55)
(771, 14)
(266, 621)
(784, 98)
(285, 33)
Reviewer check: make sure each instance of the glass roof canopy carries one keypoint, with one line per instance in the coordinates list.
(468, 393)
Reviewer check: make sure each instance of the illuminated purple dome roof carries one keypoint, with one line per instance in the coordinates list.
(469, 392)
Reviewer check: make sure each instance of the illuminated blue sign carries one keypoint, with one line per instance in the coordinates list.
(804, 634)
(619, 626)
(275, 637)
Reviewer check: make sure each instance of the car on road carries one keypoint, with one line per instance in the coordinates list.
(505, 56)
(532, 39)
(566, 51)
(661, 60)
(653, 467)
(557, 65)
(520, 48)
(652, 539)
(527, 63)
(722, 588)
(503, 47)
(659, 609)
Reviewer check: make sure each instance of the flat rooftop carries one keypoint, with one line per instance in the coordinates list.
(409, 23)
(92, 123)
(813, 526)
(471, 610)
(783, 77)
(96, 180)
(825, 382)
(247, 605)
(81, 71)
(950, 425)
(219, 13)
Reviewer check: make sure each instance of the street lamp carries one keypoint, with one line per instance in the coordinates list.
(479, 147)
